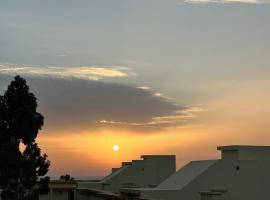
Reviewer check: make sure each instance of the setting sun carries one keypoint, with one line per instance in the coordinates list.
(116, 147)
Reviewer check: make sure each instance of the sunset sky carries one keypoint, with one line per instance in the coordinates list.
(153, 76)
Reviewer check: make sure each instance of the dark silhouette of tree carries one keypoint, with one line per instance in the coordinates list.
(66, 177)
(19, 126)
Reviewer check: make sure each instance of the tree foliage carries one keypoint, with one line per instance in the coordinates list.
(66, 177)
(19, 126)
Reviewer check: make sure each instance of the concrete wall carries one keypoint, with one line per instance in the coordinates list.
(240, 184)
(244, 152)
(149, 172)
(245, 178)
(230, 154)
(44, 197)
(89, 197)
(60, 190)
(60, 195)
(164, 165)
(143, 173)
(55, 195)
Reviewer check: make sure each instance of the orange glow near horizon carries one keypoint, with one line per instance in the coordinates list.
(92, 154)
(235, 118)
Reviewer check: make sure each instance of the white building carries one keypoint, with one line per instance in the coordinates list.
(242, 173)
(146, 173)
(60, 190)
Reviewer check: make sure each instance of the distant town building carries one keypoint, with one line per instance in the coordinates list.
(60, 190)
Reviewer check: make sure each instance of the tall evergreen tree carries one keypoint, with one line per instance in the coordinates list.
(19, 126)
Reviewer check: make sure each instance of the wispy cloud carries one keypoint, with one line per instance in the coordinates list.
(144, 87)
(177, 118)
(82, 72)
(62, 55)
(156, 94)
(222, 1)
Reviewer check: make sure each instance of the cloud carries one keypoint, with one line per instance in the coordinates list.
(71, 105)
(83, 72)
(177, 118)
(144, 87)
(222, 1)
(62, 55)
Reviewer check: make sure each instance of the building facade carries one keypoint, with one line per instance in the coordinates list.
(242, 173)
(148, 172)
(60, 190)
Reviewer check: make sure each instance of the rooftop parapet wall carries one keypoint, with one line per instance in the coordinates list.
(160, 159)
(244, 152)
(126, 163)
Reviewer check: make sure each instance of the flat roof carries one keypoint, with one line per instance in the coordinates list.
(126, 163)
(236, 147)
(62, 184)
(153, 156)
(97, 192)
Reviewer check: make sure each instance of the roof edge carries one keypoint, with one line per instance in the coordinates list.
(236, 147)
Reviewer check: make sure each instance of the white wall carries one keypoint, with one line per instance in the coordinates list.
(61, 194)
(148, 172)
(249, 182)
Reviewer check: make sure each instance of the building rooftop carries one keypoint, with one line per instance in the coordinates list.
(236, 147)
(185, 175)
(156, 156)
